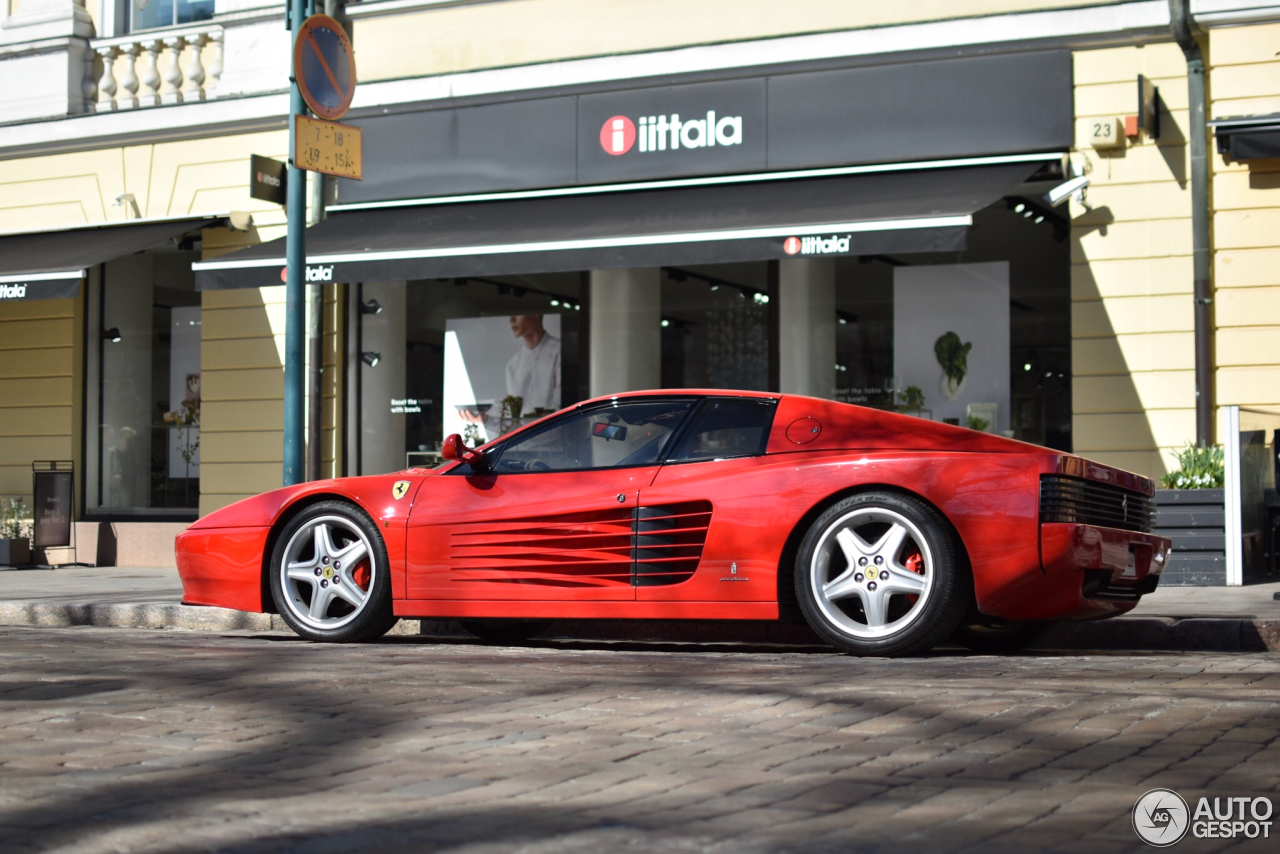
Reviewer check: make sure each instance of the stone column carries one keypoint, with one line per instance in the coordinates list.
(807, 326)
(626, 330)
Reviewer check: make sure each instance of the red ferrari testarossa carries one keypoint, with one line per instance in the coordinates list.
(888, 534)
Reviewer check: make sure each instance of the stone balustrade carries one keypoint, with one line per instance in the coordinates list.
(170, 66)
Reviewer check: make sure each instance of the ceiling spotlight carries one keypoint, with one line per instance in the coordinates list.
(1019, 207)
(371, 359)
(371, 307)
(555, 302)
(665, 323)
(112, 335)
(1026, 366)
(1038, 219)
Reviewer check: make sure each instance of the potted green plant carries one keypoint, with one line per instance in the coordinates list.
(953, 356)
(912, 399)
(15, 548)
(1191, 511)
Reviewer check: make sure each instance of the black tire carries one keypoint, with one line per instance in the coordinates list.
(994, 637)
(367, 575)
(872, 610)
(505, 632)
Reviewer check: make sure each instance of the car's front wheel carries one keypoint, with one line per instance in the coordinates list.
(329, 575)
(881, 573)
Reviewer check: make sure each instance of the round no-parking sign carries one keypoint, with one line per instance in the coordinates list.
(324, 66)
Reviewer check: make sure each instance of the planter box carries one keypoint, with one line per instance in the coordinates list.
(15, 552)
(1195, 519)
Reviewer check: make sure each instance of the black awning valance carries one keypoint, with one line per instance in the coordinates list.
(1248, 138)
(924, 210)
(51, 264)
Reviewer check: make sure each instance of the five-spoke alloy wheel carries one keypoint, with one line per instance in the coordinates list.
(329, 575)
(881, 574)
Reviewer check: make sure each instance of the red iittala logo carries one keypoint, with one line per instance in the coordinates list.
(618, 135)
(791, 246)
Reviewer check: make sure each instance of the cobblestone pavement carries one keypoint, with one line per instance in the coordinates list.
(119, 740)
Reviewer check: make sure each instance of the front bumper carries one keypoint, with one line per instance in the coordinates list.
(222, 566)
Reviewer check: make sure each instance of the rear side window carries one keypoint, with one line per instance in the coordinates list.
(727, 427)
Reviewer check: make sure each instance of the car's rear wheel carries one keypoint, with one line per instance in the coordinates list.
(330, 578)
(991, 636)
(506, 631)
(881, 573)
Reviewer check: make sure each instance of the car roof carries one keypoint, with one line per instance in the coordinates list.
(682, 392)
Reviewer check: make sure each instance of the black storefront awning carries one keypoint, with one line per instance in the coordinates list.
(51, 264)
(1249, 137)
(923, 210)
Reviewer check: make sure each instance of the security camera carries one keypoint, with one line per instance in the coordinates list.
(1067, 189)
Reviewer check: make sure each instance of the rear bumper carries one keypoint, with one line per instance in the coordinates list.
(222, 566)
(1087, 573)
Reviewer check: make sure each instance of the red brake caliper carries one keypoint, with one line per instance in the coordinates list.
(361, 576)
(915, 563)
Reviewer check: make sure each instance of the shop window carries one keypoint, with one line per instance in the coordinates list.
(152, 14)
(142, 389)
(979, 338)
(619, 436)
(736, 427)
(715, 327)
(475, 356)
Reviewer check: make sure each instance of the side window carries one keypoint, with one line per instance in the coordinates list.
(630, 433)
(727, 427)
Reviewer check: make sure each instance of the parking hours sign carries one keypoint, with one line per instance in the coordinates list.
(327, 147)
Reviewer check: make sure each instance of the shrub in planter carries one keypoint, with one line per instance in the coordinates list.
(15, 548)
(1199, 467)
(1190, 510)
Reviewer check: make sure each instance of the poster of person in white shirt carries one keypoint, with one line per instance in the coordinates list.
(487, 359)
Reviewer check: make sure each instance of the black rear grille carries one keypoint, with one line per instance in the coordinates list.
(1087, 502)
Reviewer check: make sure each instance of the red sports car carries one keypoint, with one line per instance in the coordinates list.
(888, 534)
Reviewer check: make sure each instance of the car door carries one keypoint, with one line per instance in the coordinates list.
(704, 531)
(549, 515)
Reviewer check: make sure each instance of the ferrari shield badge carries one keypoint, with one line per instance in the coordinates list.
(399, 488)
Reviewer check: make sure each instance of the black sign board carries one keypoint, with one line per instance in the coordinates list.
(53, 510)
(929, 110)
(1149, 107)
(268, 179)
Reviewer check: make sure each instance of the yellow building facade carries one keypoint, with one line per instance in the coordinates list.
(94, 151)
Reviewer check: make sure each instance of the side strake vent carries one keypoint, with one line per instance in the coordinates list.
(1087, 502)
(668, 541)
(626, 547)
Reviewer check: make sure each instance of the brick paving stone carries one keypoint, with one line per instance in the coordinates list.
(120, 740)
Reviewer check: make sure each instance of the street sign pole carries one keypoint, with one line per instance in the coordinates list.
(295, 302)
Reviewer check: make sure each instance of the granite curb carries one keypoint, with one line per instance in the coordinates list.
(1223, 634)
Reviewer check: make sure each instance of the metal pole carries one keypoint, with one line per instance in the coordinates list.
(295, 299)
(315, 391)
(1198, 135)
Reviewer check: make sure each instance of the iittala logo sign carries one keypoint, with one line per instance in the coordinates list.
(620, 134)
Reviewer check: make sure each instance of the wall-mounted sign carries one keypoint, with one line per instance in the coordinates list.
(325, 66)
(268, 179)
(327, 147)
(1149, 107)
